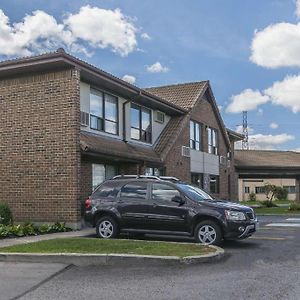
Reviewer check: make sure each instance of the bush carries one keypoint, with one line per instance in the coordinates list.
(252, 197)
(29, 229)
(6, 217)
(294, 206)
(268, 203)
(281, 193)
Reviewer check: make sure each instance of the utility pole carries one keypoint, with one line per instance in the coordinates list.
(245, 142)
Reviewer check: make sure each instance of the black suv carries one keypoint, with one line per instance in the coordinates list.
(165, 205)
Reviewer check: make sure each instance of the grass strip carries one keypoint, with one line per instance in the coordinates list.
(276, 210)
(116, 246)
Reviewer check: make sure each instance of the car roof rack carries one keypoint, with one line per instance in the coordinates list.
(166, 178)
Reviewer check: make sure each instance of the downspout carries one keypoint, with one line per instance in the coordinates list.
(124, 115)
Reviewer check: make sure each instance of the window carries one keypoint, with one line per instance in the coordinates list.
(247, 190)
(154, 171)
(107, 190)
(102, 172)
(163, 192)
(197, 179)
(212, 139)
(195, 135)
(214, 184)
(104, 112)
(290, 189)
(141, 124)
(136, 190)
(259, 190)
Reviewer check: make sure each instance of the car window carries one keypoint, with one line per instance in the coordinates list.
(194, 192)
(163, 192)
(137, 190)
(106, 190)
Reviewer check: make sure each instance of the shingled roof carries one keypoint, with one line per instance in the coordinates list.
(184, 95)
(118, 149)
(266, 158)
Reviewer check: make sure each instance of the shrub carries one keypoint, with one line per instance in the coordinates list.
(29, 229)
(268, 203)
(252, 197)
(294, 206)
(281, 193)
(6, 217)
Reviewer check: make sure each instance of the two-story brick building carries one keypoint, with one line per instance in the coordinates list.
(66, 126)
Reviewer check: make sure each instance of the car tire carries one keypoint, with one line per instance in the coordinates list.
(107, 228)
(208, 233)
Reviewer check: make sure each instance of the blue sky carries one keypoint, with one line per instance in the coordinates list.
(191, 40)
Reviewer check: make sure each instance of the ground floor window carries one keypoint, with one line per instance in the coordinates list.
(149, 171)
(101, 172)
(197, 179)
(259, 190)
(290, 189)
(214, 184)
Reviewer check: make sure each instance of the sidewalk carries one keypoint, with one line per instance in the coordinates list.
(30, 239)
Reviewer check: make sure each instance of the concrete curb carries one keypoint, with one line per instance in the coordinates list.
(112, 259)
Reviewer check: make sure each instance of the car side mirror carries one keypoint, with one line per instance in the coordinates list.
(178, 199)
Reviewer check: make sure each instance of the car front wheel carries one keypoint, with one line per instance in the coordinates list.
(208, 233)
(107, 228)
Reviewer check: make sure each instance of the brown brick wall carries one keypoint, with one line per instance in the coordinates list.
(176, 164)
(203, 113)
(39, 146)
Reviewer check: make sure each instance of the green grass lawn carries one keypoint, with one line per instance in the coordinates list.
(249, 203)
(101, 246)
(276, 210)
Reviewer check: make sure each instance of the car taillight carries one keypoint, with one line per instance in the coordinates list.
(88, 203)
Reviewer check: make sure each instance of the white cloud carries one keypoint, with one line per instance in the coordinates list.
(145, 36)
(104, 28)
(261, 141)
(296, 150)
(220, 107)
(277, 45)
(96, 27)
(246, 100)
(297, 12)
(157, 68)
(273, 125)
(129, 78)
(260, 112)
(286, 93)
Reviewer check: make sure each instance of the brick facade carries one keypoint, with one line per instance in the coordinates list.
(39, 146)
(176, 164)
(203, 113)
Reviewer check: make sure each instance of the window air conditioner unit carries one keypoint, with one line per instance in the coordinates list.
(185, 151)
(159, 117)
(223, 160)
(84, 118)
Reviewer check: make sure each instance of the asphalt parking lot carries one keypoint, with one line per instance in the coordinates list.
(265, 266)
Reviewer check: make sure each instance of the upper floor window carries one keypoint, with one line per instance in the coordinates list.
(212, 140)
(195, 135)
(104, 112)
(141, 123)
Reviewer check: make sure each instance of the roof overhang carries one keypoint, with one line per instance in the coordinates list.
(61, 60)
(234, 136)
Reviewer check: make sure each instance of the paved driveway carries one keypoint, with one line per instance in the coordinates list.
(266, 266)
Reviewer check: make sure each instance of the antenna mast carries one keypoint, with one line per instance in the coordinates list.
(245, 142)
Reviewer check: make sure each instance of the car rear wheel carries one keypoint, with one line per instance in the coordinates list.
(107, 228)
(208, 233)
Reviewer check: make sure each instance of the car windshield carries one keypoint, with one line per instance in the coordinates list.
(194, 193)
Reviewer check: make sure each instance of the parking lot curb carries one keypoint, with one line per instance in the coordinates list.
(111, 259)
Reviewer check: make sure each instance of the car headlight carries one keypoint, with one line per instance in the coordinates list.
(235, 215)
